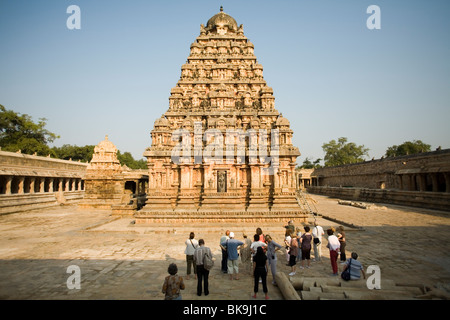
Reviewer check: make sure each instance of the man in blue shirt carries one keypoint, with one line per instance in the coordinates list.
(232, 245)
(355, 267)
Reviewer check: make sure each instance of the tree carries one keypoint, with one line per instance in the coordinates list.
(343, 152)
(408, 147)
(128, 160)
(75, 153)
(19, 132)
(307, 164)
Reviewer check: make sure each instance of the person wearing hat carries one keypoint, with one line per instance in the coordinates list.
(232, 246)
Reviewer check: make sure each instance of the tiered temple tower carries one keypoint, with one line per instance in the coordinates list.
(221, 152)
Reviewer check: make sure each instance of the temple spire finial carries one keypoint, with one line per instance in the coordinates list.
(221, 8)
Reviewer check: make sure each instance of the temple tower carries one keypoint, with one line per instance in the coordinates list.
(221, 151)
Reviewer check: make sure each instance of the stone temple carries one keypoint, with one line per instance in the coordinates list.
(221, 152)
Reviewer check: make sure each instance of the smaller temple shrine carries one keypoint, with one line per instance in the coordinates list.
(109, 185)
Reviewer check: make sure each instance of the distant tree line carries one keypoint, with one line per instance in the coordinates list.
(343, 152)
(20, 132)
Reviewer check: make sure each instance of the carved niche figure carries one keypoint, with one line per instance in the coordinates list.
(221, 181)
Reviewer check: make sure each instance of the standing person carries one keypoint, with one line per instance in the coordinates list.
(272, 247)
(202, 273)
(298, 234)
(232, 246)
(173, 284)
(333, 245)
(246, 254)
(260, 271)
(343, 242)
(293, 252)
(305, 241)
(261, 235)
(355, 267)
(257, 243)
(191, 245)
(287, 243)
(224, 251)
(290, 227)
(317, 241)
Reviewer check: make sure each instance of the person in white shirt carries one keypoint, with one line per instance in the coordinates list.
(333, 245)
(317, 244)
(191, 245)
(255, 244)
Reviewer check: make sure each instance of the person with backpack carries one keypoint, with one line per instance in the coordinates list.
(355, 267)
(317, 241)
(191, 245)
(202, 272)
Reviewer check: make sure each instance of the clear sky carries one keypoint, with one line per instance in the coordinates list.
(332, 76)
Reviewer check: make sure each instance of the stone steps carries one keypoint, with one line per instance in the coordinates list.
(334, 288)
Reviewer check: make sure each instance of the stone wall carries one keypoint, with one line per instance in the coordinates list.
(33, 182)
(421, 172)
(421, 180)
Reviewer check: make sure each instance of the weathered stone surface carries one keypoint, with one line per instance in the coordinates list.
(224, 114)
(108, 185)
(286, 287)
(33, 182)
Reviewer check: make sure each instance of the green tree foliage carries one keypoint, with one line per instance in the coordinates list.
(19, 132)
(408, 147)
(343, 152)
(307, 164)
(75, 153)
(127, 159)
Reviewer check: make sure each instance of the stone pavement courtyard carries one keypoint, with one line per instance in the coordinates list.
(122, 260)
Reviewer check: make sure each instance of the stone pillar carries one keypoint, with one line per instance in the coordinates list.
(8, 184)
(447, 181)
(32, 182)
(434, 180)
(21, 183)
(50, 184)
(400, 180)
(422, 182)
(60, 185)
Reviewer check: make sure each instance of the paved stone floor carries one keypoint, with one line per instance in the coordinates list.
(121, 260)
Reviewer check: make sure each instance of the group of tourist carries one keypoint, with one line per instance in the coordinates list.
(259, 255)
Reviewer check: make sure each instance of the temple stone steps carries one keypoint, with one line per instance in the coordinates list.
(334, 288)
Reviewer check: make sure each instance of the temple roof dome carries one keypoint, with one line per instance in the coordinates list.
(105, 146)
(281, 121)
(162, 122)
(221, 20)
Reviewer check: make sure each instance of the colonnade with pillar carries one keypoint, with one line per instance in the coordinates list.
(10, 184)
(432, 181)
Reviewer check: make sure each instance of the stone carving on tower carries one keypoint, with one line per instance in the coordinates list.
(221, 151)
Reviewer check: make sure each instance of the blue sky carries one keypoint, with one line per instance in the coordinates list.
(332, 76)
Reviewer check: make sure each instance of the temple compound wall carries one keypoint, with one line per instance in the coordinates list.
(421, 180)
(221, 152)
(33, 182)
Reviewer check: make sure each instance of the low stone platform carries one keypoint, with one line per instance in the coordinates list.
(145, 217)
